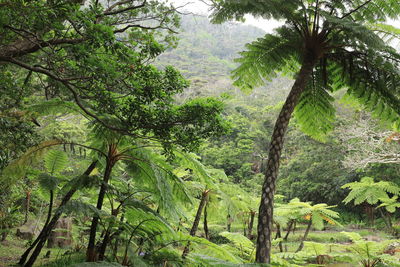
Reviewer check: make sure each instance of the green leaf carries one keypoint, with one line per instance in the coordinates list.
(55, 161)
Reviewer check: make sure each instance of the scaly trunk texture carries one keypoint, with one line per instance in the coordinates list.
(305, 236)
(91, 252)
(265, 214)
(195, 226)
(44, 234)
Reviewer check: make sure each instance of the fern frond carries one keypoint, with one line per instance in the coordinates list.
(266, 57)
(55, 161)
(18, 168)
(315, 112)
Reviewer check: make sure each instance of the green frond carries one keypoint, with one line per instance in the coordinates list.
(387, 32)
(145, 223)
(224, 10)
(48, 182)
(83, 208)
(366, 190)
(240, 241)
(266, 57)
(205, 247)
(55, 161)
(315, 248)
(371, 76)
(315, 112)
(200, 173)
(390, 204)
(54, 107)
(152, 173)
(354, 31)
(18, 168)
(352, 235)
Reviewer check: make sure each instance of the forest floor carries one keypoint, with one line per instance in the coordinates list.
(13, 247)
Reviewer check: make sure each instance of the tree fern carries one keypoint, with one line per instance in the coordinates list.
(18, 168)
(369, 191)
(55, 161)
(48, 182)
(265, 58)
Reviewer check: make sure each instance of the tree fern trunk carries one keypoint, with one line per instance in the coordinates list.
(196, 221)
(107, 237)
(228, 222)
(44, 234)
(279, 235)
(288, 230)
(91, 252)
(27, 205)
(305, 236)
(251, 224)
(265, 215)
(205, 223)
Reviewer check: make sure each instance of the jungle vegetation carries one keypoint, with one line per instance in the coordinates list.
(134, 135)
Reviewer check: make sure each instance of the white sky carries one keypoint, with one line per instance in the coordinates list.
(199, 7)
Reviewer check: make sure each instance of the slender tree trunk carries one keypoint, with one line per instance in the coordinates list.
(279, 235)
(40, 240)
(288, 230)
(91, 252)
(386, 219)
(107, 237)
(251, 224)
(205, 223)
(265, 214)
(44, 234)
(228, 222)
(27, 205)
(196, 221)
(305, 236)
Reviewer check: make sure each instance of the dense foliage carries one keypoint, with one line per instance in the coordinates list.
(125, 143)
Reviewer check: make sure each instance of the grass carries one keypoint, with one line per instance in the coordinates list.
(335, 242)
(14, 247)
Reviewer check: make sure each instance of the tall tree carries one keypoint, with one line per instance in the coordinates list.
(328, 45)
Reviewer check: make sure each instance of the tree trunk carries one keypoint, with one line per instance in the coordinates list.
(91, 252)
(386, 219)
(205, 223)
(27, 205)
(44, 234)
(305, 235)
(38, 241)
(228, 222)
(288, 230)
(251, 224)
(107, 236)
(265, 214)
(279, 235)
(196, 221)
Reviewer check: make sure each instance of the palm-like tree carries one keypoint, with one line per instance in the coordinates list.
(316, 215)
(329, 45)
(369, 192)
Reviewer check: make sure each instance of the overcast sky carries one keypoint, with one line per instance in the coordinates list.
(198, 7)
